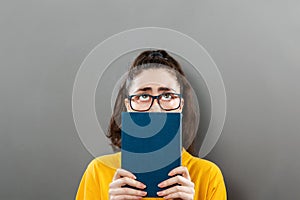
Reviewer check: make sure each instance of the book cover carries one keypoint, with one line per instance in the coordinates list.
(151, 146)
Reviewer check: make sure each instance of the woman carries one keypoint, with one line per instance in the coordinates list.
(155, 83)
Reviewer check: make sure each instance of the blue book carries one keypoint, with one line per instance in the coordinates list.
(151, 146)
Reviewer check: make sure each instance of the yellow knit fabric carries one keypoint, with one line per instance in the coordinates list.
(208, 179)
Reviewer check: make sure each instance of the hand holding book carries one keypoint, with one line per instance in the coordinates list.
(125, 178)
(183, 186)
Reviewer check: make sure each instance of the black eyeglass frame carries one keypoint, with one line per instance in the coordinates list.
(155, 97)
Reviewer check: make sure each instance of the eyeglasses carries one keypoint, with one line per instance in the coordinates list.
(166, 101)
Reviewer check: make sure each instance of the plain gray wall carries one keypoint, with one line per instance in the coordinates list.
(255, 44)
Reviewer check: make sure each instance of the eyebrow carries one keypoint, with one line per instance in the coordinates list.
(150, 89)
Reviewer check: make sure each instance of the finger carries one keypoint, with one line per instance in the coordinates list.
(182, 171)
(180, 195)
(176, 189)
(123, 173)
(124, 197)
(176, 179)
(126, 191)
(126, 181)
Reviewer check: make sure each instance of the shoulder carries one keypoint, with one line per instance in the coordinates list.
(201, 166)
(111, 161)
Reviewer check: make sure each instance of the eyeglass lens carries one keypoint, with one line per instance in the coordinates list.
(167, 101)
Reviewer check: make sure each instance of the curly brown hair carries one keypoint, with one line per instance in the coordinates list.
(155, 59)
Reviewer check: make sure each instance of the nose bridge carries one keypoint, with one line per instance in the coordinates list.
(155, 106)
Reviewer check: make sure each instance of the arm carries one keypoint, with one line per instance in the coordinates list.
(89, 185)
(216, 188)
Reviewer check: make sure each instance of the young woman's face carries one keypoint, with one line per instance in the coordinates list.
(155, 82)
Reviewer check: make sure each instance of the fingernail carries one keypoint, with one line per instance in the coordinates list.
(160, 185)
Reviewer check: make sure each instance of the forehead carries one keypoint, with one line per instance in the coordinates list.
(155, 78)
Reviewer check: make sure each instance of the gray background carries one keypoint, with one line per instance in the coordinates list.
(254, 43)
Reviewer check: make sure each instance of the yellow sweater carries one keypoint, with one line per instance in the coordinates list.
(208, 179)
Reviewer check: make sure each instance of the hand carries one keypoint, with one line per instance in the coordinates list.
(185, 190)
(122, 178)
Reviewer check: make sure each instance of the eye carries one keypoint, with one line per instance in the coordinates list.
(144, 97)
(166, 96)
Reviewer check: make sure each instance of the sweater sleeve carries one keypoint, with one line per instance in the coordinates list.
(89, 185)
(217, 189)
